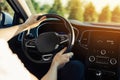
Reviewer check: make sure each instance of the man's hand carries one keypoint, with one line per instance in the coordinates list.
(32, 22)
(61, 59)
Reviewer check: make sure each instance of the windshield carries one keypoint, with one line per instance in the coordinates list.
(6, 14)
(102, 11)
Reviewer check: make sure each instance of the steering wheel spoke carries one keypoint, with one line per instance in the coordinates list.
(30, 43)
(63, 38)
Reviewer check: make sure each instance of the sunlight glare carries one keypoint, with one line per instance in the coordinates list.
(99, 4)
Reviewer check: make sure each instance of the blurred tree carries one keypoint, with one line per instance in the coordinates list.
(75, 10)
(116, 14)
(57, 8)
(90, 14)
(36, 6)
(68, 7)
(45, 8)
(105, 15)
(4, 6)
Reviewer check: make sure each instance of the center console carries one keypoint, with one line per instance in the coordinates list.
(103, 54)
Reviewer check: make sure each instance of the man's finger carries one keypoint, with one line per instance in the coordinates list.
(39, 18)
(69, 55)
(42, 19)
(62, 51)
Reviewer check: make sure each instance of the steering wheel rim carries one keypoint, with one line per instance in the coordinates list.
(68, 27)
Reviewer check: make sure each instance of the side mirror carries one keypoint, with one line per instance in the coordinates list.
(6, 20)
(2, 19)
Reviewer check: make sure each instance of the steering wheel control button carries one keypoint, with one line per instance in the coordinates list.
(103, 52)
(57, 46)
(47, 57)
(30, 43)
(113, 61)
(63, 38)
(91, 58)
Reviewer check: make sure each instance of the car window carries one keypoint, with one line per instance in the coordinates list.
(102, 11)
(6, 14)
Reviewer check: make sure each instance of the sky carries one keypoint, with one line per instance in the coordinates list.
(99, 4)
(49, 1)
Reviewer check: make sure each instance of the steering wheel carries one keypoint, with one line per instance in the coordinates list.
(43, 47)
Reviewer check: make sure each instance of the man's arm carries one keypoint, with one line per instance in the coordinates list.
(32, 22)
(59, 60)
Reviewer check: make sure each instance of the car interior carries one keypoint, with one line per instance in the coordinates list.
(96, 45)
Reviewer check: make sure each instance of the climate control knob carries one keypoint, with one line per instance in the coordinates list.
(113, 61)
(103, 52)
(91, 58)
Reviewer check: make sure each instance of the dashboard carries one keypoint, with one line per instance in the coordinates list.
(103, 51)
(98, 47)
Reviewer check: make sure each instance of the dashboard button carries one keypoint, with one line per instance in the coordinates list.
(103, 52)
(113, 61)
(91, 58)
(98, 73)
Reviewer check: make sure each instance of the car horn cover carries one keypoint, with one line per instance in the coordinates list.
(47, 42)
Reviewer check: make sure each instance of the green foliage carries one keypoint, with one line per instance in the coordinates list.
(105, 15)
(68, 7)
(75, 10)
(90, 14)
(45, 8)
(36, 6)
(116, 14)
(4, 6)
(57, 8)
